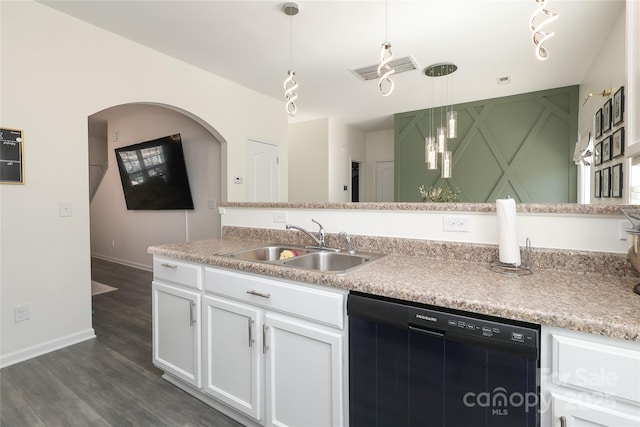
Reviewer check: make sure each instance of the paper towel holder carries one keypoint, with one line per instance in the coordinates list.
(513, 269)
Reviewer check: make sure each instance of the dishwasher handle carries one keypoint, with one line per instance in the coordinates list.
(421, 330)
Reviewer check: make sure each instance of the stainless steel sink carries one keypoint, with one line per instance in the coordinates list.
(330, 262)
(307, 259)
(267, 253)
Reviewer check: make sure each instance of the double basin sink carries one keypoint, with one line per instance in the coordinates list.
(326, 261)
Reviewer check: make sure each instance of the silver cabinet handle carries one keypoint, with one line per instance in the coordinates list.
(251, 340)
(563, 421)
(258, 294)
(171, 266)
(192, 317)
(265, 347)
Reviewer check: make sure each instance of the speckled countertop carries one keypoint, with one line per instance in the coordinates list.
(592, 303)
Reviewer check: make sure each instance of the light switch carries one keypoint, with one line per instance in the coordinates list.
(65, 209)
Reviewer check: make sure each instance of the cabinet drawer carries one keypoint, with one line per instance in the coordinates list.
(598, 366)
(300, 300)
(179, 272)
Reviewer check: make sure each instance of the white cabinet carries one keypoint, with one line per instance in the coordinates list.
(263, 351)
(278, 368)
(304, 373)
(233, 345)
(176, 332)
(589, 380)
(176, 318)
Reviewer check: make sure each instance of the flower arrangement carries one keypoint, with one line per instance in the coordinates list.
(439, 195)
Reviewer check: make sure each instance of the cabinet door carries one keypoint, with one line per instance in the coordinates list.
(233, 343)
(304, 373)
(579, 413)
(176, 332)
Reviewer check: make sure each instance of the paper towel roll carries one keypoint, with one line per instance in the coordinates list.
(507, 231)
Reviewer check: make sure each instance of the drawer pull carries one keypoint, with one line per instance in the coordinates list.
(265, 347)
(258, 294)
(251, 340)
(563, 421)
(192, 317)
(171, 266)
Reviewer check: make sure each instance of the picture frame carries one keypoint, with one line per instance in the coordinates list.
(618, 106)
(11, 156)
(606, 182)
(606, 149)
(617, 143)
(606, 116)
(597, 152)
(597, 184)
(598, 123)
(616, 180)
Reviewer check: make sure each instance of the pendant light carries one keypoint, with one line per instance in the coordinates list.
(290, 84)
(538, 33)
(430, 146)
(385, 84)
(443, 132)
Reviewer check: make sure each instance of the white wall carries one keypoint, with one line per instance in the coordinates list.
(56, 72)
(556, 231)
(309, 161)
(378, 148)
(607, 71)
(346, 144)
(121, 235)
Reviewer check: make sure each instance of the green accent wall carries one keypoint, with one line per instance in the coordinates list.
(519, 146)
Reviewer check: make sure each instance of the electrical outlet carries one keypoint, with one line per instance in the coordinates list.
(455, 223)
(20, 312)
(279, 217)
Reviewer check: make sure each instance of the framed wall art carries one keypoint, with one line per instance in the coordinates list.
(598, 123)
(617, 143)
(11, 156)
(597, 154)
(597, 184)
(606, 116)
(605, 189)
(616, 180)
(606, 149)
(618, 106)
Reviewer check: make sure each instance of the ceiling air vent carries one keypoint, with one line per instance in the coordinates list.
(401, 65)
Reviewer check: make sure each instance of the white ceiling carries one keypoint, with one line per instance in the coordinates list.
(249, 42)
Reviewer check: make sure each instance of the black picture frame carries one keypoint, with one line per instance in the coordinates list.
(11, 156)
(616, 180)
(597, 184)
(606, 182)
(598, 123)
(617, 143)
(606, 116)
(618, 106)
(606, 149)
(598, 154)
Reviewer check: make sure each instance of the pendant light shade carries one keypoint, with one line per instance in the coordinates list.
(431, 153)
(452, 124)
(290, 84)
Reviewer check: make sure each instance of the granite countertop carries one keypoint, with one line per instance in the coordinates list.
(592, 303)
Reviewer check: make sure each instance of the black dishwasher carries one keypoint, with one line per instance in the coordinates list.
(423, 366)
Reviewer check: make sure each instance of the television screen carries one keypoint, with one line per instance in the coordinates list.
(154, 175)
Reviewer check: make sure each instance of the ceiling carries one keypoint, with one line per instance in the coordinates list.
(248, 42)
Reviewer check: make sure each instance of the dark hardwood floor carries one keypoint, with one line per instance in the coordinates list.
(107, 381)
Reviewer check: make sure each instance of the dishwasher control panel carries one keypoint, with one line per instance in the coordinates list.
(470, 326)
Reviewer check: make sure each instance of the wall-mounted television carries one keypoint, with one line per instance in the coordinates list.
(154, 175)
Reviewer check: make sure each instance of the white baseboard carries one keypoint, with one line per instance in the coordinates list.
(45, 347)
(123, 262)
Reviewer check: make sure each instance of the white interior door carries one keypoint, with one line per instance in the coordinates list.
(261, 172)
(384, 181)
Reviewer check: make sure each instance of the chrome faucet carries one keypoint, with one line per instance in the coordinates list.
(347, 239)
(320, 240)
